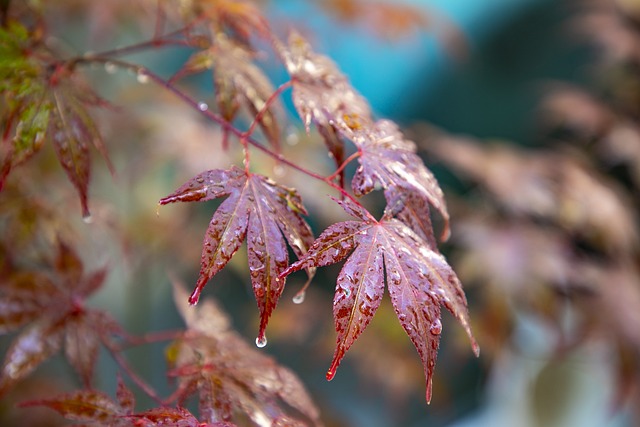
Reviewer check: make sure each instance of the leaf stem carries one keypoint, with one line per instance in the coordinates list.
(226, 125)
(156, 42)
(266, 106)
(152, 337)
(342, 166)
(126, 367)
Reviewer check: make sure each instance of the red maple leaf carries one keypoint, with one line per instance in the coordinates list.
(238, 83)
(51, 303)
(389, 162)
(230, 376)
(418, 278)
(259, 210)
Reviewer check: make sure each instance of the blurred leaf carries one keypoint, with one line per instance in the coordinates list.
(230, 376)
(86, 405)
(557, 187)
(53, 306)
(238, 82)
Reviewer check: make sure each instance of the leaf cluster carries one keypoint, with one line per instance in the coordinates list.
(47, 99)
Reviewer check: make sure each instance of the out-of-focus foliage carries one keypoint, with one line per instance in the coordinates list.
(555, 229)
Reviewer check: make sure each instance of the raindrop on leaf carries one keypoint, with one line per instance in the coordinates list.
(436, 327)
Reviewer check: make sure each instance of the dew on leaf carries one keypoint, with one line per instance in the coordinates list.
(87, 218)
(203, 106)
(436, 327)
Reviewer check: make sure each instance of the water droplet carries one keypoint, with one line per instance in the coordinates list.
(299, 297)
(199, 179)
(110, 67)
(202, 106)
(87, 219)
(261, 342)
(436, 327)
(292, 138)
(142, 76)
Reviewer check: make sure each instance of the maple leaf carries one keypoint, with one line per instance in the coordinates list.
(238, 18)
(388, 161)
(45, 103)
(418, 278)
(552, 186)
(86, 406)
(238, 82)
(321, 93)
(324, 96)
(178, 417)
(259, 210)
(229, 375)
(52, 305)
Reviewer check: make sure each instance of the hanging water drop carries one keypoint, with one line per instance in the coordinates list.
(278, 170)
(87, 218)
(292, 138)
(142, 76)
(110, 67)
(203, 106)
(261, 342)
(299, 297)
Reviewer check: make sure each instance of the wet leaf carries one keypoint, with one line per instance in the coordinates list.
(419, 280)
(81, 345)
(389, 162)
(33, 346)
(72, 131)
(156, 417)
(321, 93)
(259, 210)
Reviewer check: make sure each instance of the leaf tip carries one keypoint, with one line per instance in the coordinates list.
(194, 297)
(446, 232)
(475, 347)
(335, 363)
(429, 392)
